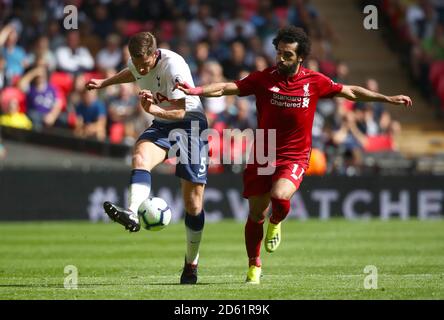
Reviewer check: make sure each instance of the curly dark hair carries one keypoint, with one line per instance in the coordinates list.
(291, 34)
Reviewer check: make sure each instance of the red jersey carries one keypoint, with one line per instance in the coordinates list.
(288, 105)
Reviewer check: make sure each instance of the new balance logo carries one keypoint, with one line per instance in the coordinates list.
(274, 89)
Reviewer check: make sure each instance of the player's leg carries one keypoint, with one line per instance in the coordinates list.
(194, 224)
(286, 183)
(254, 232)
(146, 155)
(192, 170)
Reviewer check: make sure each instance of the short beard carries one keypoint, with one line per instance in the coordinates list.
(288, 71)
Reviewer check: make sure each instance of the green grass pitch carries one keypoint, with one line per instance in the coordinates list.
(316, 260)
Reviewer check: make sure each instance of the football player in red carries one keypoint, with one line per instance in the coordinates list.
(286, 98)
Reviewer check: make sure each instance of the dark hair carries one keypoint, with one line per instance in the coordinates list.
(142, 43)
(291, 34)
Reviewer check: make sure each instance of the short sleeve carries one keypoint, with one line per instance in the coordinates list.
(327, 87)
(177, 71)
(248, 85)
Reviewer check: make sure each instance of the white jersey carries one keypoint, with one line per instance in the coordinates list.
(161, 81)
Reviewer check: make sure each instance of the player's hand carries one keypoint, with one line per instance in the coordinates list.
(187, 89)
(94, 84)
(400, 99)
(146, 99)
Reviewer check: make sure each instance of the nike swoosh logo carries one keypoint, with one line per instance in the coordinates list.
(201, 175)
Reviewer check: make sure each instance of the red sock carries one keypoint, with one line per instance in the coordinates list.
(254, 233)
(280, 210)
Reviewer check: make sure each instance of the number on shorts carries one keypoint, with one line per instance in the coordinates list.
(203, 162)
(293, 174)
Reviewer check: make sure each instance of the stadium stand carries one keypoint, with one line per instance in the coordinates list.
(227, 40)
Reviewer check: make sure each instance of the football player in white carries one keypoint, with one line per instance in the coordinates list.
(156, 72)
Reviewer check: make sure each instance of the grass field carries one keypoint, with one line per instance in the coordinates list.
(316, 260)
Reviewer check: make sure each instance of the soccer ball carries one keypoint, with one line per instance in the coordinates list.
(154, 214)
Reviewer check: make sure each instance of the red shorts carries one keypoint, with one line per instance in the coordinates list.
(255, 184)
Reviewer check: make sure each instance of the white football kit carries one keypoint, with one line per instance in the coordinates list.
(170, 67)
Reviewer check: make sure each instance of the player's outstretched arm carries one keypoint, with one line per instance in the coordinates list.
(357, 93)
(123, 76)
(211, 90)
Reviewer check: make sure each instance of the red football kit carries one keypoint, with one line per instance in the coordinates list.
(286, 104)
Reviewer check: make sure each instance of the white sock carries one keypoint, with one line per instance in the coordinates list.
(137, 194)
(193, 244)
(139, 189)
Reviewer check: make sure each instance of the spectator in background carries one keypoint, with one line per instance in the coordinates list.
(197, 29)
(110, 56)
(342, 73)
(218, 49)
(421, 19)
(236, 63)
(212, 72)
(347, 144)
(242, 119)
(365, 120)
(3, 79)
(91, 116)
(102, 23)
(74, 58)
(433, 47)
(138, 124)
(298, 15)
(260, 63)
(201, 54)
(254, 49)
(239, 28)
(14, 118)
(14, 55)
(43, 103)
(42, 52)
(121, 113)
(56, 40)
(125, 57)
(381, 116)
(180, 32)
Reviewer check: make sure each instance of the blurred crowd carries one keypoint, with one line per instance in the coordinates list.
(416, 31)
(43, 69)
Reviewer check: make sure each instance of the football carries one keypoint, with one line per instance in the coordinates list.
(154, 214)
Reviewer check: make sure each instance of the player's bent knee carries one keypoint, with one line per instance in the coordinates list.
(140, 162)
(280, 194)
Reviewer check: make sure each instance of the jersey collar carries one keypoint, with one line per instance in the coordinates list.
(159, 56)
